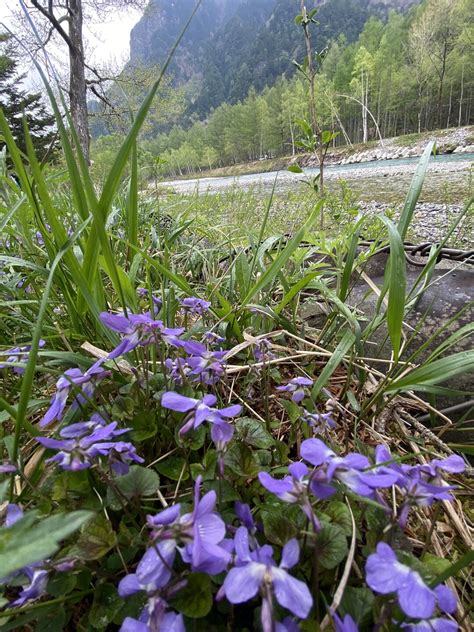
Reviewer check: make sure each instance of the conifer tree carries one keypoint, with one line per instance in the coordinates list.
(17, 103)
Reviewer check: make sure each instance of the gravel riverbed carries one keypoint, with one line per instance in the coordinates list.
(430, 222)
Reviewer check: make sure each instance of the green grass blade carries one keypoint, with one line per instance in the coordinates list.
(350, 258)
(434, 373)
(132, 203)
(262, 231)
(113, 180)
(335, 360)
(295, 290)
(466, 560)
(414, 191)
(396, 269)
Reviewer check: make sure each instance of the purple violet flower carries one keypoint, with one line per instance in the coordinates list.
(208, 366)
(421, 484)
(82, 443)
(177, 369)
(292, 489)
(345, 625)
(155, 616)
(200, 410)
(198, 536)
(287, 625)
(319, 422)
(386, 575)
(74, 377)
(143, 292)
(18, 355)
(298, 387)
(211, 338)
(36, 588)
(13, 513)
(7, 468)
(195, 305)
(243, 513)
(348, 470)
(257, 571)
(262, 351)
(139, 330)
(150, 578)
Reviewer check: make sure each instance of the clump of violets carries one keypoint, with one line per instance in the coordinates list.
(17, 355)
(199, 537)
(421, 484)
(207, 366)
(73, 378)
(255, 571)
(139, 330)
(82, 444)
(386, 575)
(298, 387)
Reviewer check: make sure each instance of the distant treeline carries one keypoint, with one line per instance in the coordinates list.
(410, 74)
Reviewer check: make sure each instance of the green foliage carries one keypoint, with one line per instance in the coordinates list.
(195, 599)
(138, 482)
(17, 103)
(331, 545)
(32, 539)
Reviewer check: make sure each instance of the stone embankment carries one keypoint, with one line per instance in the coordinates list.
(456, 141)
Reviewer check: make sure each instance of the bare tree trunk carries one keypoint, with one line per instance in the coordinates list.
(450, 106)
(441, 85)
(77, 78)
(364, 106)
(292, 137)
(461, 96)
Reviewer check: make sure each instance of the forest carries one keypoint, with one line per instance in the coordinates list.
(410, 74)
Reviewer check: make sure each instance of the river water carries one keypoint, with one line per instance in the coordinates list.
(444, 167)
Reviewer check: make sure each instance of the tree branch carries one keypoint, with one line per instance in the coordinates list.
(56, 24)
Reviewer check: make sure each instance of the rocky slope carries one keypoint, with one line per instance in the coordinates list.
(232, 45)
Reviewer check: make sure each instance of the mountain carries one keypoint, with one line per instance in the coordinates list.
(233, 45)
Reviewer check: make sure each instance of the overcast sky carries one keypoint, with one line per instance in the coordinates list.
(106, 41)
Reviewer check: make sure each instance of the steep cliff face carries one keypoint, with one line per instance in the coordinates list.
(233, 45)
(154, 35)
